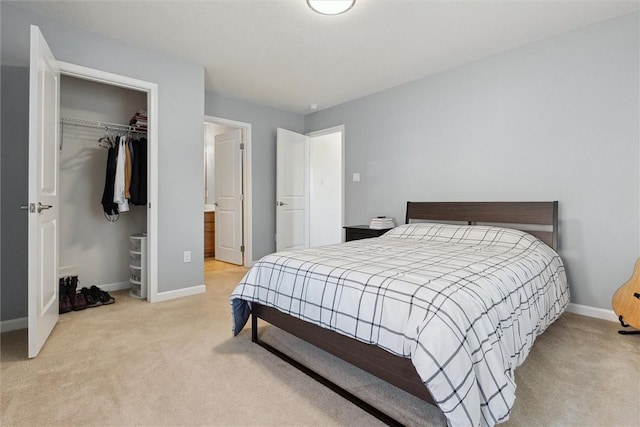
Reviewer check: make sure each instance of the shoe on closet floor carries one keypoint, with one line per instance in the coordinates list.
(77, 299)
(78, 302)
(103, 296)
(64, 303)
(90, 298)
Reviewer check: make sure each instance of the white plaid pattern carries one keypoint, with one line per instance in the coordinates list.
(465, 303)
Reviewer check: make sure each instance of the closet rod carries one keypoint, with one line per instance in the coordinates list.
(100, 125)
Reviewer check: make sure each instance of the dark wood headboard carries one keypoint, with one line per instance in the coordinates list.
(518, 215)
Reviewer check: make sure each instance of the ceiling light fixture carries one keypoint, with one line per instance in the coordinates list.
(331, 7)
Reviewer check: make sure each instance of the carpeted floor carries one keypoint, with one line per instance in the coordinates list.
(175, 364)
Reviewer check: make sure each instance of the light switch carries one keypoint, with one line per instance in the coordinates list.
(356, 177)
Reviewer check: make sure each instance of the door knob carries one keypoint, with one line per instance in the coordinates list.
(32, 207)
(42, 207)
(215, 203)
(280, 204)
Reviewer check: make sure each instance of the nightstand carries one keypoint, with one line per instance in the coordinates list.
(357, 232)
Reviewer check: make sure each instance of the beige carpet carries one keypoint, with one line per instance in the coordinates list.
(176, 364)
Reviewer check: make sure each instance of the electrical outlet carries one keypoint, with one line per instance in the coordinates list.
(187, 256)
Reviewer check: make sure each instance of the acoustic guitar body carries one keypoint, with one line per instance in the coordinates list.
(626, 300)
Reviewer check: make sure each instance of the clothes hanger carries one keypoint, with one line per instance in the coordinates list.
(105, 141)
(112, 217)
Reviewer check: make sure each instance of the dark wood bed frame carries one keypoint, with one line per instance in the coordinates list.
(396, 370)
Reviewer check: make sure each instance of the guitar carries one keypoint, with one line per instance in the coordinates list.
(626, 301)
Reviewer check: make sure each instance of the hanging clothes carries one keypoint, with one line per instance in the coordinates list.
(138, 187)
(126, 176)
(142, 172)
(127, 170)
(119, 183)
(110, 208)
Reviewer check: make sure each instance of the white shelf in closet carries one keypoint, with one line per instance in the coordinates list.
(138, 265)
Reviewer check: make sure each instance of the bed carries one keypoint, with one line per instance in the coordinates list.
(444, 307)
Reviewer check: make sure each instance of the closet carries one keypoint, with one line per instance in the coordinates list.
(95, 247)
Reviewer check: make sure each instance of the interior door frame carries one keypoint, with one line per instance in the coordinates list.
(86, 73)
(247, 221)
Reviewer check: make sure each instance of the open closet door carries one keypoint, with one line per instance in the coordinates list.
(228, 187)
(292, 190)
(44, 106)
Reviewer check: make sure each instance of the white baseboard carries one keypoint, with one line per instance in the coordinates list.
(14, 324)
(598, 313)
(110, 287)
(179, 293)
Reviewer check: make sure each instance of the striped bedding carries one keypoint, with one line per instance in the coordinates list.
(465, 303)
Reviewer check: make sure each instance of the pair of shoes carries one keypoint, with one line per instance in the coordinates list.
(103, 296)
(69, 299)
(95, 296)
(64, 302)
(90, 298)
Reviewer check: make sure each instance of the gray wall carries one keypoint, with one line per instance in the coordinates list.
(555, 120)
(14, 135)
(264, 122)
(181, 108)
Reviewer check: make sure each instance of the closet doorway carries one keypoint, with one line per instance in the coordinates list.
(44, 195)
(326, 186)
(93, 245)
(309, 188)
(227, 190)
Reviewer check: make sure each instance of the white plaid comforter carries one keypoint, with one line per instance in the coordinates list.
(465, 303)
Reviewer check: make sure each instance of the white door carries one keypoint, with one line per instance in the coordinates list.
(44, 105)
(292, 190)
(228, 196)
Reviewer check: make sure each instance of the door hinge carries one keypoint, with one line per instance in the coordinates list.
(242, 248)
(242, 145)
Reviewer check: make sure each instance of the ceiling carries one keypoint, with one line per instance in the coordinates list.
(281, 54)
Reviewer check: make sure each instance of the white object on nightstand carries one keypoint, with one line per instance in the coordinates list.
(381, 223)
